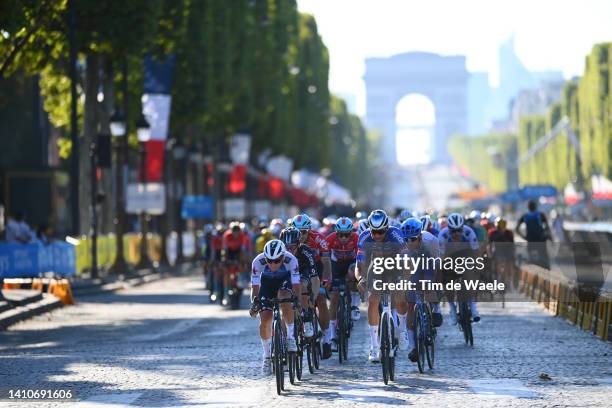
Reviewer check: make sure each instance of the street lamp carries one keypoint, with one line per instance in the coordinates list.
(143, 131)
(118, 127)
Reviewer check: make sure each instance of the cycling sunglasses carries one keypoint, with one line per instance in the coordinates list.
(304, 232)
(412, 239)
(274, 261)
(454, 231)
(344, 235)
(291, 247)
(379, 232)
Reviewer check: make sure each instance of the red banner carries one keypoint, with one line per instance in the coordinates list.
(237, 179)
(154, 165)
(277, 188)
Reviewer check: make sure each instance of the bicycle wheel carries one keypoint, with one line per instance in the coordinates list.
(299, 339)
(316, 344)
(419, 339)
(291, 359)
(347, 329)
(392, 351)
(278, 358)
(384, 347)
(430, 345)
(341, 334)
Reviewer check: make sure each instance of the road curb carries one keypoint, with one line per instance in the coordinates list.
(126, 282)
(20, 313)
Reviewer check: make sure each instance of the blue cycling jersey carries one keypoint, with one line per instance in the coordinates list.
(393, 236)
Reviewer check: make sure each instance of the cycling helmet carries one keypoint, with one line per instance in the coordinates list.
(363, 226)
(302, 221)
(266, 233)
(290, 236)
(404, 215)
(475, 215)
(411, 228)
(235, 226)
(378, 220)
(343, 225)
(455, 221)
(274, 249)
(426, 222)
(500, 223)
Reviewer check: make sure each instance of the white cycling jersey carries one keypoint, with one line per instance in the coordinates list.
(468, 235)
(288, 270)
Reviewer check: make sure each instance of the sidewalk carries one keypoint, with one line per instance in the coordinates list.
(22, 304)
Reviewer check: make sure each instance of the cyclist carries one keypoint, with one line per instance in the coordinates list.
(422, 244)
(236, 247)
(428, 225)
(308, 272)
(260, 242)
(474, 221)
(317, 243)
(362, 226)
(274, 273)
(456, 238)
(379, 234)
(216, 257)
(404, 215)
(501, 248)
(342, 244)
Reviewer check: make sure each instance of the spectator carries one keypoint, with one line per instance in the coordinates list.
(44, 234)
(537, 232)
(17, 230)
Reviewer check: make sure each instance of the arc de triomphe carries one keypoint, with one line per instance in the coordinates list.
(443, 79)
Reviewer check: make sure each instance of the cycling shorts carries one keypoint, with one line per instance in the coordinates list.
(339, 272)
(270, 285)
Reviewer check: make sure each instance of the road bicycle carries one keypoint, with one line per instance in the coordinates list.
(424, 333)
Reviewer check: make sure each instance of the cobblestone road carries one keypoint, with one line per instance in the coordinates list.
(163, 345)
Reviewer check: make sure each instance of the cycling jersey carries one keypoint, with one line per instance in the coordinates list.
(434, 231)
(271, 282)
(289, 270)
(317, 243)
(393, 238)
(216, 246)
(237, 242)
(430, 243)
(342, 252)
(306, 262)
(468, 236)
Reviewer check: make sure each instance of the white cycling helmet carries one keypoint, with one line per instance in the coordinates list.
(378, 220)
(274, 249)
(455, 221)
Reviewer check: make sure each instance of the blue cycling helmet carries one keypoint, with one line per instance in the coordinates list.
(343, 225)
(363, 226)
(378, 220)
(302, 222)
(405, 214)
(411, 228)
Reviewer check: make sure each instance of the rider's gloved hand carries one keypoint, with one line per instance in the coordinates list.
(254, 308)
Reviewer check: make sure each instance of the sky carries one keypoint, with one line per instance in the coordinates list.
(549, 34)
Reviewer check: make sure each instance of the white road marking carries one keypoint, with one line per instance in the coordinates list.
(236, 397)
(109, 400)
(502, 387)
(181, 326)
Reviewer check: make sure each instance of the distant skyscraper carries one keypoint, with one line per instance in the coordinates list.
(514, 78)
(479, 95)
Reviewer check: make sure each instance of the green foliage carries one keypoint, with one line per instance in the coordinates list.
(256, 65)
(485, 158)
(587, 103)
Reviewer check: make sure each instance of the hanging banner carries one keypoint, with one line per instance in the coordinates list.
(280, 166)
(156, 100)
(240, 148)
(155, 160)
(146, 198)
(197, 207)
(156, 108)
(234, 209)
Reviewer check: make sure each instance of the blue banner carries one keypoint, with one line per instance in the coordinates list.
(31, 260)
(537, 191)
(511, 196)
(198, 207)
(158, 75)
